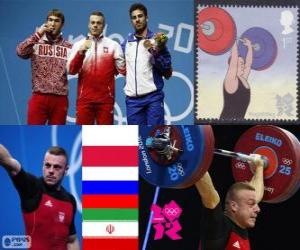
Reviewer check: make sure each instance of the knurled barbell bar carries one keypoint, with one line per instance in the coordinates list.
(178, 156)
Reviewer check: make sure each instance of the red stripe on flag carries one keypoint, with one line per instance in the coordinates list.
(110, 244)
(110, 156)
(110, 201)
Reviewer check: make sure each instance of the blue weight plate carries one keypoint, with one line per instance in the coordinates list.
(265, 47)
(195, 144)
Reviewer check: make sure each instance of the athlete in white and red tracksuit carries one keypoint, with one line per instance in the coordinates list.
(48, 52)
(97, 59)
(145, 69)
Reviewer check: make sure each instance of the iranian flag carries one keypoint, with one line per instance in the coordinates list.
(110, 187)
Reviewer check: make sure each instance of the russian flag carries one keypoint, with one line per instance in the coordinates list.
(110, 187)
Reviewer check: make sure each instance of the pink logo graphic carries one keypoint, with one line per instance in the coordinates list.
(165, 220)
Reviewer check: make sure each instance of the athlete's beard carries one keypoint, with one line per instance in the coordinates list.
(141, 30)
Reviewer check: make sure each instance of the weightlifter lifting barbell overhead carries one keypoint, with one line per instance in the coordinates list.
(255, 49)
(265, 167)
(229, 229)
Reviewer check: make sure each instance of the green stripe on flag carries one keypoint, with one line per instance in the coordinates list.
(119, 214)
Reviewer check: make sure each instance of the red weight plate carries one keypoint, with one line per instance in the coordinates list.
(216, 30)
(292, 189)
(272, 160)
(281, 147)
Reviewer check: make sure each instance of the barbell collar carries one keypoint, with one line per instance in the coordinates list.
(204, 26)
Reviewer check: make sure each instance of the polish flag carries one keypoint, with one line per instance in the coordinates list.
(110, 187)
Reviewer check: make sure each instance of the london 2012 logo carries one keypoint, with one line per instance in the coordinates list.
(166, 220)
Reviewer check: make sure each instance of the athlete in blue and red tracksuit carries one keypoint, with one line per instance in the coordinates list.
(228, 230)
(97, 59)
(145, 68)
(48, 209)
(48, 52)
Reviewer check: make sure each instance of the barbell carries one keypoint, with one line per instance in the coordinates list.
(216, 34)
(178, 156)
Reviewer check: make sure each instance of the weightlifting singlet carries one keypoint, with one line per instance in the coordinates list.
(48, 213)
(236, 104)
(220, 233)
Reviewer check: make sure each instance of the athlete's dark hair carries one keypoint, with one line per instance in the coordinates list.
(57, 13)
(55, 150)
(138, 6)
(98, 13)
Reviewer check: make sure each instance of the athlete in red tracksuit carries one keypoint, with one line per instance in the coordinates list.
(228, 230)
(97, 59)
(48, 209)
(48, 52)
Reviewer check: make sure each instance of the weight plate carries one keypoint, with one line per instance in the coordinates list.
(281, 147)
(264, 47)
(216, 31)
(195, 146)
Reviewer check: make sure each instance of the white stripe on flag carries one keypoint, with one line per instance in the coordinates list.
(114, 135)
(109, 229)
(110, 173)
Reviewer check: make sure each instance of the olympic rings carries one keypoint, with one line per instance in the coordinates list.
(286, 161)
(171, 211)
(180, 169)
(240, 165)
